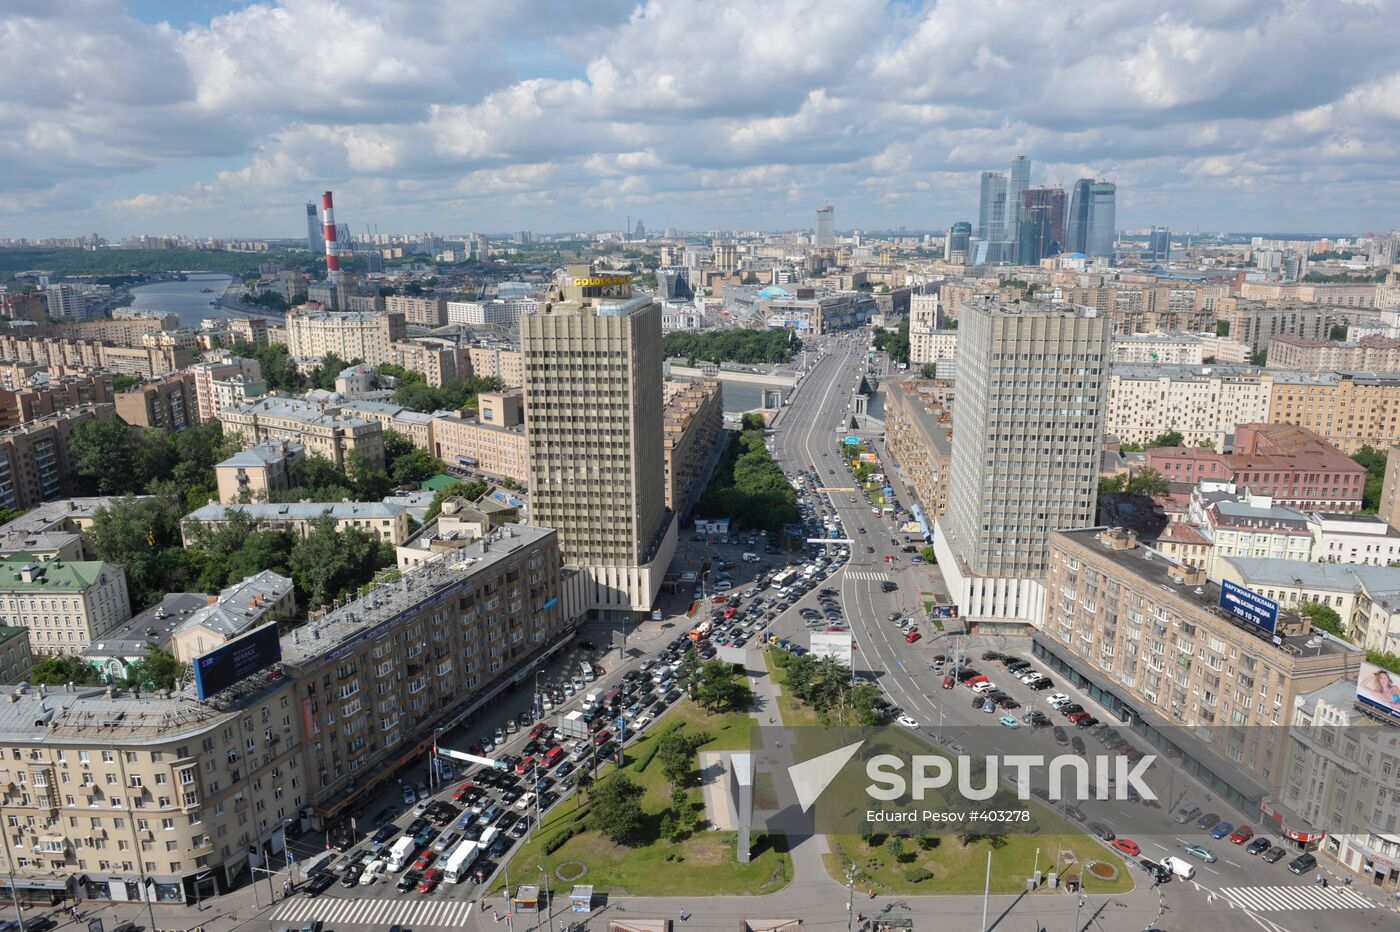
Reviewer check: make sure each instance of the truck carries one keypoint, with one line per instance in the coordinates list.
(572, 725)
(401, 855)
(457, 867)
(700, 631)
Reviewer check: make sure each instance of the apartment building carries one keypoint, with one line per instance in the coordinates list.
(1365, 540)
(1293, 465)
(918, 433)
(320, 428)
(123, 329)
(34, 463)
(414, 426)
(114, 797)
(492, 442)
(1341, 779)
(1202, 403)
(257, 473)
(208, 397)
(143, 361)
(422, 312)
(1327, 295)
(1255, 323)
(16, 658)
(1178, 349)
(387, 522)
(235, 611)
(505, 364)
(595, 436)
(1256, 527)
(65, 604)
(440, 361)
(348, 334)
(375, 678)
(494, 313)
(694, 425)
(1146, 638)
(1372, 353)
(928, 342)
(251, 330)
(1133, 308)
(1364, 596)
(1347, 409)
(42, 394)
(169, 403)
(817, 315)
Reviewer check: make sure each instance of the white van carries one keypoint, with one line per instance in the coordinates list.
(1179, 867)
(587, 670)
(750, 557)
(590, 700)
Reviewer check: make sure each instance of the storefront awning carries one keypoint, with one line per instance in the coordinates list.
(34, 883)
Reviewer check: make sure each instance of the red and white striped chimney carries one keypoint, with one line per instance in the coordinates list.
(332, 248)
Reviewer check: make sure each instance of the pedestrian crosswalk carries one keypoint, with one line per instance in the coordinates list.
(1301, 896)
(867, 575)
(415, 911)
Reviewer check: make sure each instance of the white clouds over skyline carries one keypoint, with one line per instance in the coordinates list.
(553, 115)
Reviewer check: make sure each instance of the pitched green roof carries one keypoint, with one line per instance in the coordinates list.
(50, 576)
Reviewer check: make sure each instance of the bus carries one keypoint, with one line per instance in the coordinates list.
(783, 578)
(401, 855)
(457, 867)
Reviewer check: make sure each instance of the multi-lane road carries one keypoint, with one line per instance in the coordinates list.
(807, 436)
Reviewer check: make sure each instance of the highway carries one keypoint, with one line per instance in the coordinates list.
(806, 437)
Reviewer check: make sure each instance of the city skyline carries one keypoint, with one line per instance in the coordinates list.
(223, 118)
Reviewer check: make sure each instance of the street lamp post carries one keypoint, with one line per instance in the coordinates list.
(14, 895)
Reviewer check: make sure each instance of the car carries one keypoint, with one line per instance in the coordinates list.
(1075, 813)
(911, 637)
(1043, 683)
(1079, 718)
(1061, 736)
(1207, 821)
(372, 872)
(1200, 852)
(424, 861)
(1125, 846)
(907, 722)
(1259, 845)
(314, 887)
(1101, 830)
(977, 702)
(1274, 855)
(948, 681)
(1186, 814)
(446, 841)
(351, 877)
(408, 881)
(39, 924)
(991, 655)
(1158, 872)
(1056, 700)
(409, 796)
(989, 706)
(1078, 744)
(1070, 708)
(1088, 721)
(1302, 863)
(431, 878)
(1010, 721)
(463, 791)
(1221, 830)
(1241, 835)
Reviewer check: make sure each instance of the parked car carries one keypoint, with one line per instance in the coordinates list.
(1200, 852)
(1125, 846)
(1302, 863)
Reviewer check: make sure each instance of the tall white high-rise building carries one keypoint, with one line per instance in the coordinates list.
(1032, 388)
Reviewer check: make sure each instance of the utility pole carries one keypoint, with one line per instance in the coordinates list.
(987, 892)
(850, 897)
(14, 895)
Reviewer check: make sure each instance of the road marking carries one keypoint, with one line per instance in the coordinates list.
(1302, 896)
(419, 912)
(867, 576)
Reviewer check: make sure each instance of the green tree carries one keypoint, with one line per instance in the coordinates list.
(675, 755)
(616, 809)
(141, 535)
(122, 382)
(584, 781)
(106, 458)
(1149, 482)
(1259, 357)
(1171, 438)
(689, 673)
(1374, 460)
(1222, 328)
(928, 371)
(328, 562)
(896, 342)
(1324, 617)
(929, 554)
(719, 690)
(58, 671)
(157, 670)
(407, 464)
(470, 491)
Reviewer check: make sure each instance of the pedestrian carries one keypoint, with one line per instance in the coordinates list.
(1347, 882)
(1324, 883)
(1318, 880)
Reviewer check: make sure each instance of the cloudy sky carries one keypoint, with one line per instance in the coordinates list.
(223, 117)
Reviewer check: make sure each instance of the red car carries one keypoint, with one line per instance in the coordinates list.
(601, 738)
(1125, 846)
(461, 791)
(1078, 717)
(424, 859)
(719, 599)
(525, 764)
(730, 612)
(948, 681)
(431, 878)
(1242, 834)
(912, 636)
(537, 730)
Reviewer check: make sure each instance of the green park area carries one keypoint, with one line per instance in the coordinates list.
(945, 864)
(641, 830)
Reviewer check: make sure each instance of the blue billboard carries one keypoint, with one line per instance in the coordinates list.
(852, 439)
(1248, 605)
(238, 659)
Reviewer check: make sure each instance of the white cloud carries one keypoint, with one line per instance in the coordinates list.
(699, 113)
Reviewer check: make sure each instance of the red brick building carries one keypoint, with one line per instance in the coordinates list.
(1293, 464)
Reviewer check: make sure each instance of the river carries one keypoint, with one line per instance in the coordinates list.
(187, 298)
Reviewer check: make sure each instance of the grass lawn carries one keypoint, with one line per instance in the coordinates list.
(792, 709)
(963, 870)
(702, 864)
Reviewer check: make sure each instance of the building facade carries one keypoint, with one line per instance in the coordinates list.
(350, 335)
(694, 425)
(918, 433)
(595, 435)
(42, 394)
(1203, 404)
(169, 403)
(64, 604)
(387, 522)
(35, 465)
(257, 473)
(493, 442)
(320, 428)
